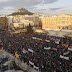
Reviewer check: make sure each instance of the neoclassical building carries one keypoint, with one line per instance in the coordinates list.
(3, 22)
(23, 20)
(33, 18)
(63, 21)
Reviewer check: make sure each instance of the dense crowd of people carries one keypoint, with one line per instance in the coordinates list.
(43, 52)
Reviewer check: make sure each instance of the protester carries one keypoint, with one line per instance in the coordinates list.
(43, 52)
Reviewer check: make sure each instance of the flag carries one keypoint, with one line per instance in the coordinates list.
(16, 55)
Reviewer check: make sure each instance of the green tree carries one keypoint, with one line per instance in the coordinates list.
(29, 29)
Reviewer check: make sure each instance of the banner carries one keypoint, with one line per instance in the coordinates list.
(24, 51)
(31, 63)
(66, 53)
(30, 50)
(64, 45)
(70, 49)
(47, 40)
(16, 55)
(67, 58)
(55, 49)
(57, 42)
(47, 48)
(61, 56)
(36, 38)
(36, 67)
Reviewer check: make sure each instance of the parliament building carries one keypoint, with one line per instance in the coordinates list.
(63, 21)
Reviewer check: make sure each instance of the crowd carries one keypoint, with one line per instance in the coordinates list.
(43, 52)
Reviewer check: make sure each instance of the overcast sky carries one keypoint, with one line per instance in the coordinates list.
(49, 7)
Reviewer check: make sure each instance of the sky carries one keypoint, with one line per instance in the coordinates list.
(47, 7)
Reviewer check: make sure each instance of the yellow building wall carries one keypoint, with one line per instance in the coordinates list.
(3, 21)
(57, 22)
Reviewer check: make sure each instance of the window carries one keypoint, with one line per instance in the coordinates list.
(63, 18)
(63, 22)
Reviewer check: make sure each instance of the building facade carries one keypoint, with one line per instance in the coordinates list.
(33, 18)
(23, 23)
(3, 22)
(63, 21)
(26, 22)
(10, 21)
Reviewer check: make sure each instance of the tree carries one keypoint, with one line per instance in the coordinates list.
(29, 29)
(40, 24)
